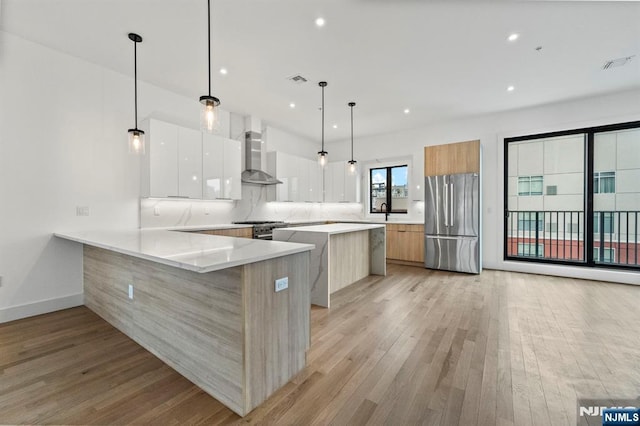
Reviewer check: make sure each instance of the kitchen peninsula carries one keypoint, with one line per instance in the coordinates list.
(344, 253)
(205, 305)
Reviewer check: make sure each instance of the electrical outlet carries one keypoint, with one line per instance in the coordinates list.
(82, 211)
(282, 284)
(156, 211)
(131, 291)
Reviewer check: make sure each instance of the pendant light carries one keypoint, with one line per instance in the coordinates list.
(136, 136)
(352, 164)
(323, 156)
(209, 110)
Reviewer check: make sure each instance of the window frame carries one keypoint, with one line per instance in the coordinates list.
(588, 211)
(389, 188)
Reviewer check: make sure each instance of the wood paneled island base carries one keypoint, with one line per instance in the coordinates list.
(227, 331)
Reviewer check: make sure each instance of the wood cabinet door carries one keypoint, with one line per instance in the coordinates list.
(450, 159)
(393, 246)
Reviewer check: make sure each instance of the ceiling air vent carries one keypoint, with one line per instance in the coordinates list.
(614, 63)
(297, 78)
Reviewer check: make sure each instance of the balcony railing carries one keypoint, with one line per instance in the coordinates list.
(559, 235)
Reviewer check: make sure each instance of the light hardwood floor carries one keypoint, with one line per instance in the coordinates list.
(414, 347)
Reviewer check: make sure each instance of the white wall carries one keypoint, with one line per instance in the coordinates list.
(63, 129)
(491, 130)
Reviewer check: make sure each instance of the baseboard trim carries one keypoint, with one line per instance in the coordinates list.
(13, 313)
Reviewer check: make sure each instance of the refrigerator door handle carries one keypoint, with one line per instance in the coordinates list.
(445, 237)
(451, 207)
(446, 205)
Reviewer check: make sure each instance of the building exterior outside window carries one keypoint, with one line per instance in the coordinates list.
(546, 194)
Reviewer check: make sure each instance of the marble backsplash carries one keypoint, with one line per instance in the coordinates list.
(163, 213)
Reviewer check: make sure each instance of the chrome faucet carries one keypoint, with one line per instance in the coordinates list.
(386, 211)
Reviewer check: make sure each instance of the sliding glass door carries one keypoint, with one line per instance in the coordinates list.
(574, 197)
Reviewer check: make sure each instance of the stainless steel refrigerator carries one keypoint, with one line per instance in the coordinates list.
(452, 223)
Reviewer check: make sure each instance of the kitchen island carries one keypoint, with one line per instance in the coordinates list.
(205, 305)
(344, 253)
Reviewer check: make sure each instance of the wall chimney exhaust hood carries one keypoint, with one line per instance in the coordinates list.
(253, 161)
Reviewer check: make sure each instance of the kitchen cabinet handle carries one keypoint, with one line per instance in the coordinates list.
(446, 205)
(177, 196)
(451, 207)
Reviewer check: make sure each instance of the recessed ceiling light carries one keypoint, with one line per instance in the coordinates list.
(320, 22)
(292, 105)
(510, 89)
(335, 126)
(223, 71)
(513, 37)
(407, 110)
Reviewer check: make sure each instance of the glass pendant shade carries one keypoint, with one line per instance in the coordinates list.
(352, 167)
(323, 158)
(209, 113)
(136, 141)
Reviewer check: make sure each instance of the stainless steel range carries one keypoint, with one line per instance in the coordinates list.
(263, 229)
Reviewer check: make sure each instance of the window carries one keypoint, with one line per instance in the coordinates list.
(604, 182)
(527, 222)
(609, 255)
(528, 249)
(389, 185)
(606, 218)
(529, 185)
(586, 219)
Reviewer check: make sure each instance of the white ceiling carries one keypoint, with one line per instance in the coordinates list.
(440, 59)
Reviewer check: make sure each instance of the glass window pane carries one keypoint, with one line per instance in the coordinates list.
(523, 185)
(378, 189)
(399, 189)
(536, 185)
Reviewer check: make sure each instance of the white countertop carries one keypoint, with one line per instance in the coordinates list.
(191, 251)
(201, 227)
(333, 228)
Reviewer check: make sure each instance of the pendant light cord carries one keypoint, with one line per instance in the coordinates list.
(209, 40)
(351, 133)
(322, 118)
(135, 80)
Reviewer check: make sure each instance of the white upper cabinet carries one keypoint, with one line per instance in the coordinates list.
(189, 163)
(301, 178)
(160, 178)
(416, 188)
(212, 166)
(186, 163)
(232, 170)
(339, 185)
(315, 180)
(221, 168)
(351, 186)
